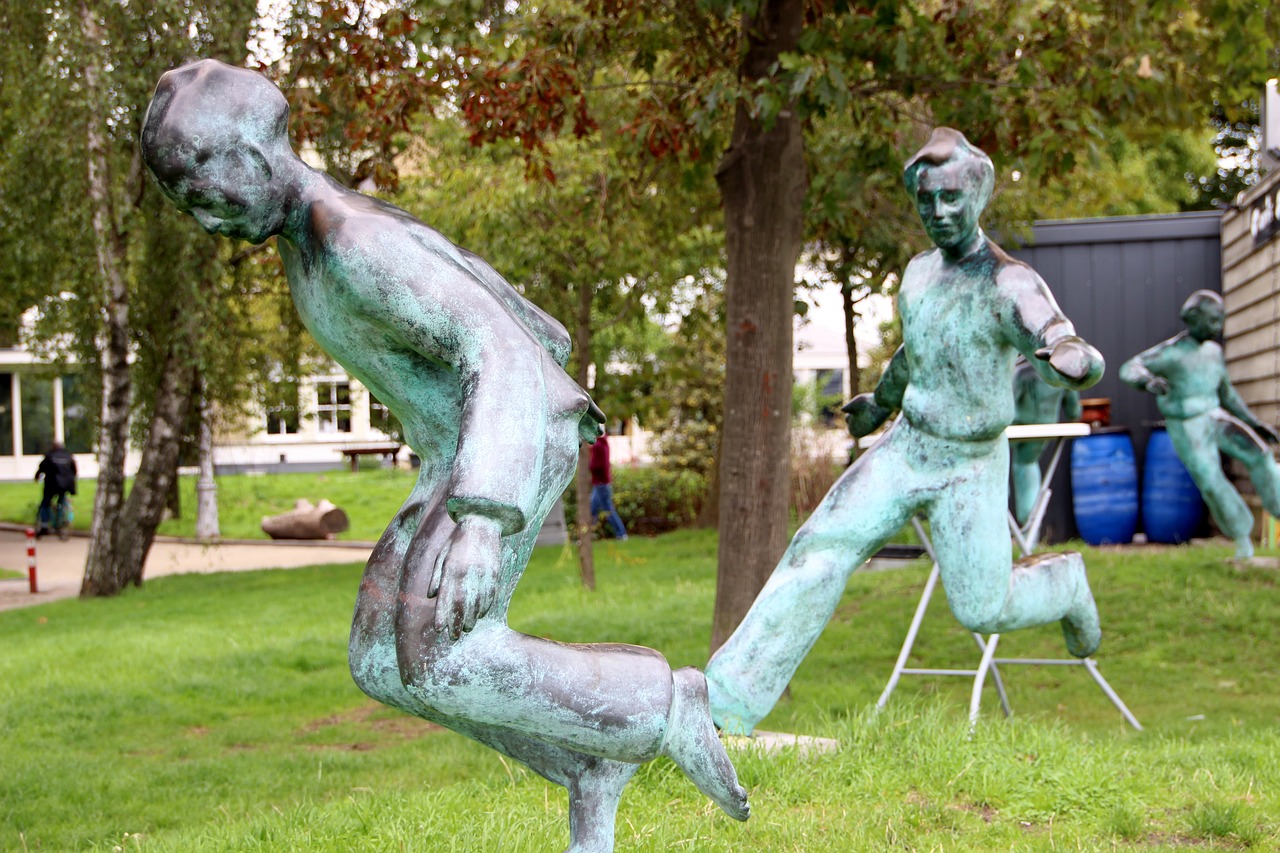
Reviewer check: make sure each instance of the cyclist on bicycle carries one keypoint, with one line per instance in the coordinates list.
(59, 471)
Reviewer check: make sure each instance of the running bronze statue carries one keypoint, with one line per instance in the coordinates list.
(1205, 417)
(968, 310)
(475, 374)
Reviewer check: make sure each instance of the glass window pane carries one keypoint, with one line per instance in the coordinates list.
(37, 415)
(77, 415)
(6, 414)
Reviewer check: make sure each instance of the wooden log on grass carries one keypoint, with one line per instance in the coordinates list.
(306, 521)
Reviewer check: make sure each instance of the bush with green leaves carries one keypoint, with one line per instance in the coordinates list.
(652, 500)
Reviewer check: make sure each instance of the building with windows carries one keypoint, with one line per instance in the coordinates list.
(40, 405)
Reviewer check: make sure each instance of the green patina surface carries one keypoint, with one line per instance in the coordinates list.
(968, 310)
(1205, 417)
(475, 374)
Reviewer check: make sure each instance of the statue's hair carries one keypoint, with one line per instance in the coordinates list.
(208, 105)
(945, 145)
(1200, 300)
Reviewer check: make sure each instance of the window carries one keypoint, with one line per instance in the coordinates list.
(333, 406)
(6, 414)
(37, 414)
(282, 407)
(382, 419)
(77, 416)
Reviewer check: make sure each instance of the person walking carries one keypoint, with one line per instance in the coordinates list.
(59, 471)
(602, 488)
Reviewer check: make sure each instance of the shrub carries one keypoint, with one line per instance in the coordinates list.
(651, 500)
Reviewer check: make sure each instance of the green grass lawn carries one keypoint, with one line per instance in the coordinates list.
(370, 498)
(215, 713)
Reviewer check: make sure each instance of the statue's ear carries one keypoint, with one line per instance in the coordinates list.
(258, 160)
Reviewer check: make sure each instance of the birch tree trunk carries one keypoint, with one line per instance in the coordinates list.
(207, 526)
(113, 439)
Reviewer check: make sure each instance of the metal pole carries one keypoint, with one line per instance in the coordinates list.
(1091, 665)
(31, 559)
(911, 636)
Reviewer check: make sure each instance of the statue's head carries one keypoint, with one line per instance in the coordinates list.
(951, 183)
(1204, 314)
(214, 136)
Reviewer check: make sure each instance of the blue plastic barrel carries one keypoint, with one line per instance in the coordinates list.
(1172, 509)
(1104, 487)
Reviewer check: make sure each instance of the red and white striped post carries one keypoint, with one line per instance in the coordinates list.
(31, 559)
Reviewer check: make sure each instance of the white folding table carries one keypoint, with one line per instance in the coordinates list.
(1027, 538)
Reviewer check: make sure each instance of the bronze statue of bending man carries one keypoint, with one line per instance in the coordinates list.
(476, 375)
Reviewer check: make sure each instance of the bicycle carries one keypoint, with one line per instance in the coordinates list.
(63, 514)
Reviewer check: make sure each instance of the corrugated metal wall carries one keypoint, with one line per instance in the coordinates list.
(1121, 281)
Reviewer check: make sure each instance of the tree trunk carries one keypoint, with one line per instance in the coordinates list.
(762, 183)
(113, 438)
(207, 526)
(584, 521)
(851, 344)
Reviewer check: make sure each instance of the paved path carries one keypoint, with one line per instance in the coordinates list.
(60, 565)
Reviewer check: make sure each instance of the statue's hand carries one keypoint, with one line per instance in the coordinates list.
(1072, 357)
(591, 426)
(864, 415)
(464, 581)
(1158, 385)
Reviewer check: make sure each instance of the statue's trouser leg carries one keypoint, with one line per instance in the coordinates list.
(868, 504)
(1026, 477)
(1244, 445)
(614, 701)
(1197, 443)
(986, 590)
(594, 783)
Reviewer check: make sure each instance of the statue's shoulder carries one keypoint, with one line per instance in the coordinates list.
(355, 222)
(1012, 273)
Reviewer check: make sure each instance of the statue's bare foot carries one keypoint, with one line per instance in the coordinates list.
(1244, 549)
(593, 805)
(1080, 627)
(693, 744)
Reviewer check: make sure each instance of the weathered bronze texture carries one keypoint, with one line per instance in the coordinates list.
(1035, 402)
(1205, 417)
(475, 374)
(968, 310)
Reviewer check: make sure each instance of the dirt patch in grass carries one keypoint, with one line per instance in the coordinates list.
(391, 726)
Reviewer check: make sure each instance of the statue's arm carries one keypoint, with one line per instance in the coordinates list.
(1233, 403)
(1137, 371)
(1071, 408)
(435, 307)
(866, 412)
(542, 325)
(1043, 334)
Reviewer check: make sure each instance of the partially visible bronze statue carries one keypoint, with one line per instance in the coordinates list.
(967, 310)
(1205, 417)
(1035, 402)
(475, 374)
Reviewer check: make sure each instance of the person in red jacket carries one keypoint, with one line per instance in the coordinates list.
(602, 487)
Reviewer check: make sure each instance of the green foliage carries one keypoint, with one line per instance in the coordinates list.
(651, 500)
(687, 422)
(215, 713)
